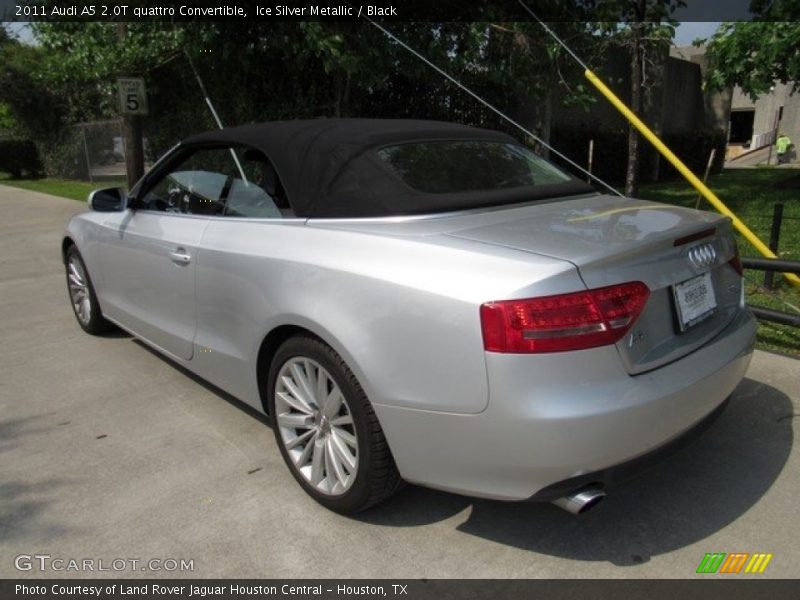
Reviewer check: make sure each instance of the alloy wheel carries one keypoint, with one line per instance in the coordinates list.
(316, 426)
(79, 290)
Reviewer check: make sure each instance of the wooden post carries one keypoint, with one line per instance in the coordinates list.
(134, 148)
(705, 175)
(131, 131)
(86, 154)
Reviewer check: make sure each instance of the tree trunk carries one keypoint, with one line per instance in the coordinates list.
(341, 103)
(655, 102)
(535, 114)
(337, 102)
(534, 111)
(632, 173)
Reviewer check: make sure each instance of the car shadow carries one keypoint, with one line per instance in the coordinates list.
(229, 398)
(675, 503)
(685, 498)
(116, 333)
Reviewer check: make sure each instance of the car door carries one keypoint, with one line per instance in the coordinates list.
(149, 255)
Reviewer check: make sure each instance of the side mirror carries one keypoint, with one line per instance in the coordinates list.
(108, 200)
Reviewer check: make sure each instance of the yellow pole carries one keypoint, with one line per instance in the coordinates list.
(684, 170)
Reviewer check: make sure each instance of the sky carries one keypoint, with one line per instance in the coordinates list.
(20, 30)
(687, 32)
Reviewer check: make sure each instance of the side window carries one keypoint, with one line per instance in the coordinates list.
(257, 192)
(233, 182)
(197, 186)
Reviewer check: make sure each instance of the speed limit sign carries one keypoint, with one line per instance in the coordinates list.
(132, 96)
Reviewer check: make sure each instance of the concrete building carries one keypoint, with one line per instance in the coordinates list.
(674, 105)
(759, 121)
(677, 106)
(751, 125)
(673, 101)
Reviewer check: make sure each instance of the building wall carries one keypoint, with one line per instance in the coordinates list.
(766, 108)
(790, 124)
(678, 105)
(717, 104)
(675, 108)
(682, 109)
(681, 104)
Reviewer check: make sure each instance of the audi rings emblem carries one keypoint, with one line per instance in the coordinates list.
(702, 256)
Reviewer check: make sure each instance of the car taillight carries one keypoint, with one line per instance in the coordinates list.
(564, 322)
(736, 261)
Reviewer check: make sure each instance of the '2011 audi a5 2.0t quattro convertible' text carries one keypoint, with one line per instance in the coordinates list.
(424, 302)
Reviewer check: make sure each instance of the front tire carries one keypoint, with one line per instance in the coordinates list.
(82, 297)
(326, 429)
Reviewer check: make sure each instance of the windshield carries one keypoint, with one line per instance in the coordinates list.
(440, 167)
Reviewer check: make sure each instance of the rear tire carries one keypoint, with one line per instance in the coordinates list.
(82, 297)
(326, 429)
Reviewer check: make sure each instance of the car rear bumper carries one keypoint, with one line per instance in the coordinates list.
(617, 473)
(555, 418)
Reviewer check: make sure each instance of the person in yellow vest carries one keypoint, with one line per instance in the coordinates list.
(782, 145)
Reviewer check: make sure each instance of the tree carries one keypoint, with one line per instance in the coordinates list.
(7, 121)
(754, 55)
(83, 60)
(644, 28)
(36, 108)
(261, 71)
(516, 51)
(258, 71)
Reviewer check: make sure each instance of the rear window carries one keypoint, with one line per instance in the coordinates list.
(440, 167)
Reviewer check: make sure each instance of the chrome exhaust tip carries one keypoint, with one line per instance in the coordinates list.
(582, 500)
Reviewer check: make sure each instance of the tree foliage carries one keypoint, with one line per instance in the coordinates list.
(644, 28)
(259, 71)
(7, 121)
(35, 108)
(83, 60)
(262, 71)
(754, 55)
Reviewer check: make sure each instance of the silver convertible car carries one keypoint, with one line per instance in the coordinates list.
(424, 302)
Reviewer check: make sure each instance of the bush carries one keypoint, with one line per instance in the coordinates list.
(63, 156)
(18, 157)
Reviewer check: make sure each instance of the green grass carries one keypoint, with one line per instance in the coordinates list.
(751, 194)
(66, 188)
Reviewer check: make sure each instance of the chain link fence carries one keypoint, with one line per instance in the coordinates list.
(92, 151)
(101, 151)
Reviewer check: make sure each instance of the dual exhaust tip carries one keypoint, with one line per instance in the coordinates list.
(582, 500)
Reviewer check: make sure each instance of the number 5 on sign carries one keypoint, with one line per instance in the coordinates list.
(132, 96)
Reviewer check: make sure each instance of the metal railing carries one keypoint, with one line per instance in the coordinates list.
(774, 265)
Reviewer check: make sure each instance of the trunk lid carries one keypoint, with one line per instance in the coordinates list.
(613, 240)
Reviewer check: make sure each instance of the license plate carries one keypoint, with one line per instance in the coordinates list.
(695, 300)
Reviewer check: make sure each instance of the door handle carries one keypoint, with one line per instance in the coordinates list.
(180, 257)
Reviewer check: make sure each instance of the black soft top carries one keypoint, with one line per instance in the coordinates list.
(327, 169)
